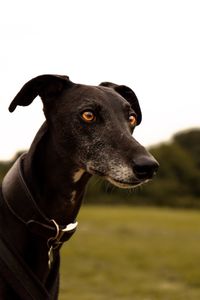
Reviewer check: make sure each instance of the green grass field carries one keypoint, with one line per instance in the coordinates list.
(132, 254)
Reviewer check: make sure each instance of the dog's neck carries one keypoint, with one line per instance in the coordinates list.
(57, 184)
(57, 187)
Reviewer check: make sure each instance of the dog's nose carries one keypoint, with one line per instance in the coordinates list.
(145, 167)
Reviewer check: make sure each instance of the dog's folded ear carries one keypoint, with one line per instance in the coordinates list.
(129, 95)
(44, 86)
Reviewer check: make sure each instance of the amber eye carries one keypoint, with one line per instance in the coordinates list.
(132, 120)
(88, 116)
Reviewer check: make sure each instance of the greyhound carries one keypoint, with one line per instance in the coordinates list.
(88, 131)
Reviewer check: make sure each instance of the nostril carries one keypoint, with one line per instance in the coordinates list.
(145, 167)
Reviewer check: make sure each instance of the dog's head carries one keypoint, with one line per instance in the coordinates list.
(94, 125)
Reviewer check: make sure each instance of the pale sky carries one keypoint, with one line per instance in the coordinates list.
(152, 46)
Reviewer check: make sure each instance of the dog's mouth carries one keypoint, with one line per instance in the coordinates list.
(121, 183)
(124, 184)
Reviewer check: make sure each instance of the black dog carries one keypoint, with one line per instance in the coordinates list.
(88, 130)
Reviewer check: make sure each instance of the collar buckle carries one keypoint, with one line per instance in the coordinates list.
(62, 234)
(54, 242)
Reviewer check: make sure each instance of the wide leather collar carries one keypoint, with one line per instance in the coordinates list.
(22, 205)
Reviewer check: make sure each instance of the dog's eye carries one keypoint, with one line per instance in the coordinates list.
(132, 120)
(88, 116)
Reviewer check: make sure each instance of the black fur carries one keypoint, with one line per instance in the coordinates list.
(67, 151)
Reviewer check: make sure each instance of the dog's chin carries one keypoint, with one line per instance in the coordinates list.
(124, 184)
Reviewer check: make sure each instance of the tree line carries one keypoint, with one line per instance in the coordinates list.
(177, 183)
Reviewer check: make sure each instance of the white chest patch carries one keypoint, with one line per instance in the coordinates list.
(78, 174)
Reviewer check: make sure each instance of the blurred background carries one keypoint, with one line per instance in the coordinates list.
(141, 244)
